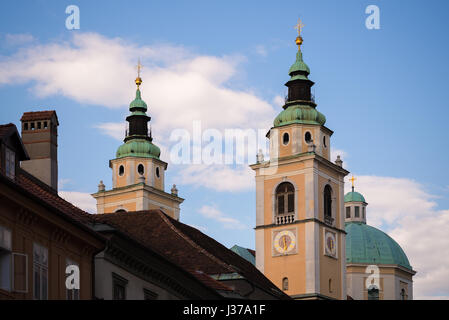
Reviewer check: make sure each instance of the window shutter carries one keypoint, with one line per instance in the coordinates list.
(20, 268)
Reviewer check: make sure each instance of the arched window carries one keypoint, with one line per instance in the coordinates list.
(403, 294)
(285, 284)
(373, 294)
(285, 198)
(327, 203)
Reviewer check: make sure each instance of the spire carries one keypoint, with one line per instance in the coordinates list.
(300, 106)
(299, 39)
(138, 141)
(138, 119)
(138, 79)
(299, 85)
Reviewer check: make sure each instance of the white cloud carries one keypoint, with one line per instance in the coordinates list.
(82, 200)
(217, 177)
(410, 215)
(211, 212)
(18, 39)
(278, 101)
(178, 86)
(115, 130)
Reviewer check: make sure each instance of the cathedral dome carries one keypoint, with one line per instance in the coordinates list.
(138, 148)
(354, 197)
(368, 245)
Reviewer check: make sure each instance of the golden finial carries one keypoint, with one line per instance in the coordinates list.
(352, 180)
(299, 39)
(138, 79)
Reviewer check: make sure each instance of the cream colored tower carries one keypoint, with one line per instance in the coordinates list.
(137, 171)
(300, 237)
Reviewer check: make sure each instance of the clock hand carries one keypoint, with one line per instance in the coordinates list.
(285, 244)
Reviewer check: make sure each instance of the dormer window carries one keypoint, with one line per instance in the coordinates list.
(10, 163)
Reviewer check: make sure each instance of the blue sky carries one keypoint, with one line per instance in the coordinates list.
(384, 94)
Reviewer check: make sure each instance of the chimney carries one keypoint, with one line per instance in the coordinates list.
(40, 138)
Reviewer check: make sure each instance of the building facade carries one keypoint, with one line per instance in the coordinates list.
(40, 233)
(300, 237)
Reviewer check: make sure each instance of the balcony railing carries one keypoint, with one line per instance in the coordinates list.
(329, 220)
(285, 218)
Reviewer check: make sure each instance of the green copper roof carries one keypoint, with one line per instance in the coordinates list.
(299, 113)
(354, 197)
(138, 148)
(299, 67)
(366, 244)
(244, 253)
(138, 102)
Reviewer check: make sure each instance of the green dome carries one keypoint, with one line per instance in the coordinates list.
(366, 244)
(138, 148)
(138, 103)
(298, 69)
(299, 113)
(354, 197)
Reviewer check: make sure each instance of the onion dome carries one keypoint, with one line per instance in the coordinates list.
(298, 113)
(138, 148)
(137, 141)
(138, 104)
(300, 106)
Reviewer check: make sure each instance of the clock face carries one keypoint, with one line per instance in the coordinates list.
(284, 242)
(331, 248)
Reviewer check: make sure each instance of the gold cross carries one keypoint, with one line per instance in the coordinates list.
(299, 26)
(352, 180)
(139, 67)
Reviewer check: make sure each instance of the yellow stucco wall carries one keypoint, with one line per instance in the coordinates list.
(291, 266)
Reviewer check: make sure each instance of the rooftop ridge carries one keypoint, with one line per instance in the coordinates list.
(193, 243)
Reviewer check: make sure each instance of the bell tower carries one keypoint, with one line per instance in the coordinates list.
(137, 171)
(300, 237)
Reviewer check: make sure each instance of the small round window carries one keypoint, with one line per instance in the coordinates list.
(157, 172)
(308, 137)
(285, 138)
(141, 169)
(121, 170)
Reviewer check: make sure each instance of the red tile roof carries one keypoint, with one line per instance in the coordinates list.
(47, 195)
(209, 281)
(38, 115)
(185, 246)
(5, 129)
